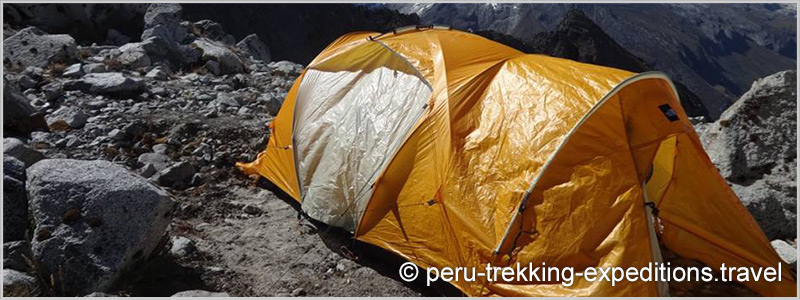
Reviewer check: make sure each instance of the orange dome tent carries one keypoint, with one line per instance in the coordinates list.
(451, 150)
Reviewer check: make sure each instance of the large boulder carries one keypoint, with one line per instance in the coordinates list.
(15, 200)
(34, 47)
(254, 48)
(112, 84)
(93, 220)
(19, 117)
(228, 62)
(758, 131)
(753, 145)
(164, 20)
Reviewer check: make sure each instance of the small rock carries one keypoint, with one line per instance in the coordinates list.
(118, 135)
(71, 116)
(160, 148)
(95, 68)
(26, 82)
(253, 47)
(197, 180)
(18, 284)
(159, 161)
(148, 170)
(199, 293)
(15, 148)
(243, 111)
(181, 246)
(212, 67)
(286, 67)
(73, 70)
(52, 91)
(202, 226)
(228, 62)
(177, 176)
(223, 88)
(114, 83)
(213, 113)
(346, 265)
(134, 58)
(227, 100)
(158, 73)
(298, 292)
(252, 210)
(19, 117)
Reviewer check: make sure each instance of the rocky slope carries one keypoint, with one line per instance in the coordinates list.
(716, 49)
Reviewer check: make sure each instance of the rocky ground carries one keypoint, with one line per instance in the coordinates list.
(107, 147)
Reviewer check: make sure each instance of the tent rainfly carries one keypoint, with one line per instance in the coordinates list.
(452, 150)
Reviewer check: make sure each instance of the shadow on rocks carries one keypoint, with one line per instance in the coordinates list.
(161, 276)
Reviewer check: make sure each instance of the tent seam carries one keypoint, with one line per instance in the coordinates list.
(562, 144)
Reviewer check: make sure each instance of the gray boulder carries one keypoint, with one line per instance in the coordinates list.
(199, 293)
(93, 220)
(34, 47)
(70, 116)
(113, 84)
(753, 144)
(17, 149)
(786, 252)
(19, 117)
(228, 62)
(758, 130)
(254, 48)
(15, 201)
(18, 284)
(164, 20)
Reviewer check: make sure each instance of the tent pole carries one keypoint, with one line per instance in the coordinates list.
(655, 249)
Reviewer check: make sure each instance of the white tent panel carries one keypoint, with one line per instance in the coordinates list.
(347, 127)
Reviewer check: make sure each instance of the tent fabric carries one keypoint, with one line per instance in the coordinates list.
(451, 150)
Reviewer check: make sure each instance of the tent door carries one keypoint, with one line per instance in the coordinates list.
(655, 186)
